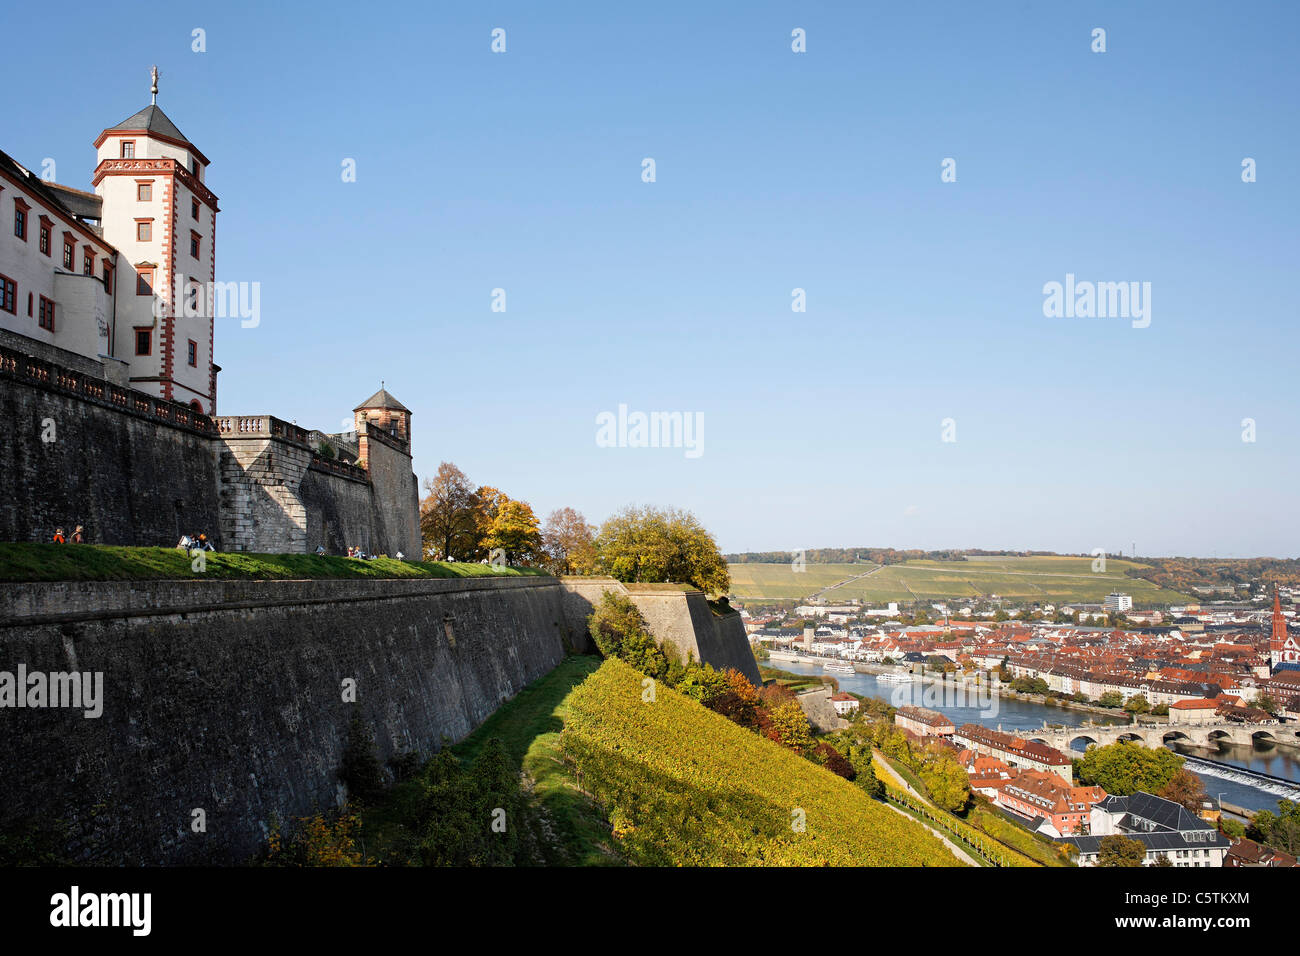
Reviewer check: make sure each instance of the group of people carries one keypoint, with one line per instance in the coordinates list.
(361, 553)
(190, 543)
(78, 536)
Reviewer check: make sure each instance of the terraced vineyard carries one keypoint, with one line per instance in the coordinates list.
(687, 787)
(1044, 579)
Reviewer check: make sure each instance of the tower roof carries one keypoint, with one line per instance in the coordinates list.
(152, 119)
(382, 399)
(154, 122)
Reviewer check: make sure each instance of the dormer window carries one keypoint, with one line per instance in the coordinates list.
(128, 149)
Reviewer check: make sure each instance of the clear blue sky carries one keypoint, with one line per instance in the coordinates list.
(775, 171)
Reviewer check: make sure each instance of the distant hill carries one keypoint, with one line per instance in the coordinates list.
(685, 786)
(1040, 579)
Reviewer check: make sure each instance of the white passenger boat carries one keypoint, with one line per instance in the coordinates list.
(835, 667)
(895, 677)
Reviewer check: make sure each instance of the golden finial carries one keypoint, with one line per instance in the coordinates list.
(154, 88)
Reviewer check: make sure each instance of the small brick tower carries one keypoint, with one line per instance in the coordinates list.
(383, 412)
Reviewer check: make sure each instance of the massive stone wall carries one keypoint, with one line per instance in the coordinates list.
(674, 613)
(79, 450)
(340, 513)
(397, 495)
(227, 697)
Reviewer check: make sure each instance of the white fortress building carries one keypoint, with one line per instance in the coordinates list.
(124, 274)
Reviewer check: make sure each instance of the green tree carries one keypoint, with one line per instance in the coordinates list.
(1125, 768)
(1117, 850)
(649, 545)
(1137, 704)
(947, 783)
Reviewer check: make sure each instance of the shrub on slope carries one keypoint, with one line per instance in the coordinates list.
(686, 787)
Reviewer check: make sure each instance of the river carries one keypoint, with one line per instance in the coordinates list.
(1214, 767)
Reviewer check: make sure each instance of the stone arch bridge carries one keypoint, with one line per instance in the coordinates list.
(1156, 735)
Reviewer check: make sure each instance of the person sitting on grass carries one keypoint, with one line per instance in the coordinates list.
(58, 536)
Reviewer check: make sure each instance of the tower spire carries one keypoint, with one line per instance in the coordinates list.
(153, 89)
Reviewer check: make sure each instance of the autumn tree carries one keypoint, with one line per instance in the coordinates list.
(567, 541)
(515, 531)
(649, 545)
(1185, 788)
(448, 515)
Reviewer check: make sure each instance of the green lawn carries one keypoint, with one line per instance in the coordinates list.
(528, 727)
(1042, 579)
(21, 561)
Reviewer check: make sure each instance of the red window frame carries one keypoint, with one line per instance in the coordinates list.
(144, 280)
(108, 277)
(8, 295)
(144, 230)
(46, 319)
(45, 243)
(69, 251)
(128, 149)
(21, 207)
(196, 244)
(144, 190)
(88, 261)
(144, 335)
(192, 354)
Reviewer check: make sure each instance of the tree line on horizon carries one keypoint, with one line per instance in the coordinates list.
(461, 521)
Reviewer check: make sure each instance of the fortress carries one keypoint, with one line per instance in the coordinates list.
(222, 696)
(108, 302)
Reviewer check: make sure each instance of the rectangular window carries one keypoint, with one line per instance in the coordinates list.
(144, 281)
(193, 356)
(20, 220)
(88, 263)
(69, 250)
(143, 192)
(8, 295)
(144, 341)
(108, 278)
(195, 241)
(46, 320)
(194, 208)
(144, 230)
(45, 239)
(128, 149)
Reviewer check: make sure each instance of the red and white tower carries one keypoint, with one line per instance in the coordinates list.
(1283, 648)
(163, 221)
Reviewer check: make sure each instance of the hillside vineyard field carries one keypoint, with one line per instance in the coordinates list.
(1042, 579)
(684, 786)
